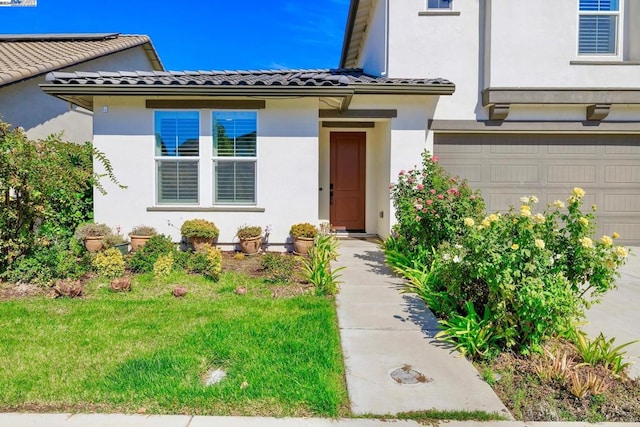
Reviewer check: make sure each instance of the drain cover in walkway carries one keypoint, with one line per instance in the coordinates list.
(406, 375)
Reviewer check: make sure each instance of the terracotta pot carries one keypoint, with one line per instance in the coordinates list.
(301, 245)
(138, 241)
(93, 244)
(199, 242)
(251, 245)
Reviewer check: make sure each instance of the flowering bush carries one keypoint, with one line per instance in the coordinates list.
(530, 275)
(430, 206)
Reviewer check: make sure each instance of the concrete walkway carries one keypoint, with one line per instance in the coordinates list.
(618, 315)
(382, 330)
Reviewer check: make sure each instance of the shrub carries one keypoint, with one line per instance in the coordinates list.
(163, 266)
(278, 268)
(143, 230)
(143, 259)
(513, 268)
(304, 230)
(247, 232)
(90, 229)
(48, 261)
(207, 261)
(46, 187)
(109, 263)
(317, 266)
(430, 205)
(199, 228)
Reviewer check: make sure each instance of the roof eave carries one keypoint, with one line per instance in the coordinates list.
(351, 19)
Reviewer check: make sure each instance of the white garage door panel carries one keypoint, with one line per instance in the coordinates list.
(507, 167)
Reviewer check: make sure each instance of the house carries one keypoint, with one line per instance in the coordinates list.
(546, 98)
(547, 93)
(26, 59)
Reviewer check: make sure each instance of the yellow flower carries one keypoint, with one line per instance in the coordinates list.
(515, 246)
(524, 199)
(615, 235)
(493, 217)
(594, 207)
(525, 210)
(584, 221)
(621, 251)
(606, 241)
(559, 204)
(610, 264)
(578, 192)
(486, 223)
(538, 218)
(533, 199)
(469, 222)
(586, 242)
(539, 243)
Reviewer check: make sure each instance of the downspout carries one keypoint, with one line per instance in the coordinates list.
(386, 39)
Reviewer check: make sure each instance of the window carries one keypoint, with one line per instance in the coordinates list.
(439, 4)
(177, 155)
(598, 27)
(234, 157)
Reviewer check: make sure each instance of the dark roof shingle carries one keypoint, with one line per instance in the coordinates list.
(285, 78)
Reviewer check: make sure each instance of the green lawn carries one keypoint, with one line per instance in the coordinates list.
(145, 349)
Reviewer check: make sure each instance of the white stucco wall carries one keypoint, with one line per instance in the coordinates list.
(374, 51)
(24, 104)
(287, 169)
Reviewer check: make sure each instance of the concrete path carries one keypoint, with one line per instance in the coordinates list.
(383, 330)
(618, 315)
(120, 420)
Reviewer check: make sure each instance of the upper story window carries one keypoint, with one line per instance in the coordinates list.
(234, 156)
(439, 4)
(598, 27)
(177, 154)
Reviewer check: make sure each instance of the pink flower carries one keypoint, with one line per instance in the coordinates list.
(440, 197)
(433, 191)
(410, 180)
(420, 186)
(429, 202)
(453, 191)
(472, 197)
(417, 217)
(418, 206)
(402, 172)
(425, 210)
(434, 159)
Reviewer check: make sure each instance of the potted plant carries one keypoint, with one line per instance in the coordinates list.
(92, 235)
(139, 236)
(199, 232)
(303, 235)
(116, 240)
(250, 238)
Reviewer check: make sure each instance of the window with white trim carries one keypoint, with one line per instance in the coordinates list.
(599, 27)
(439, 4)
(234, 157)
(177, 155)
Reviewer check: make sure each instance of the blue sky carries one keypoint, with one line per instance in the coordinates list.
(206, 35)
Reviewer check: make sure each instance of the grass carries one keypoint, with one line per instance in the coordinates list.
(146, 351)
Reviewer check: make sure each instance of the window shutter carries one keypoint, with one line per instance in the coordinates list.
(235, 182)
(597, 34)
(177, 181)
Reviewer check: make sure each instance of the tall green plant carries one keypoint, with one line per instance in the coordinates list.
(317, 267)
(45, 189)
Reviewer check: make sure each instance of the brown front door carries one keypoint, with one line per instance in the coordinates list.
(347, 187)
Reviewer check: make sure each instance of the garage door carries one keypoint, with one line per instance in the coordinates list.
(507, 167)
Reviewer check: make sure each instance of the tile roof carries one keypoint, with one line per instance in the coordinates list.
(30, 55)
(273, 78)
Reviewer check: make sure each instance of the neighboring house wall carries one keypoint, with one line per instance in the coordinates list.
(24, 104)
(287, 165)
(374, 52)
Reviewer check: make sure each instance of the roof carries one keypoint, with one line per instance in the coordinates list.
(79, 87)
(23, 56)
(357, 22)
